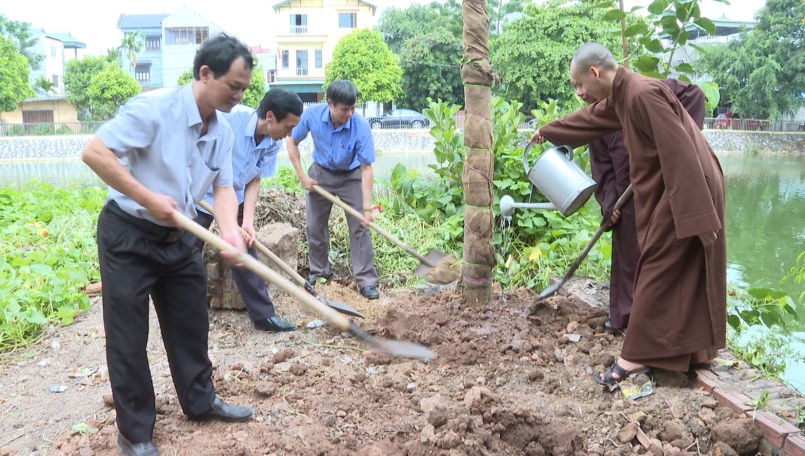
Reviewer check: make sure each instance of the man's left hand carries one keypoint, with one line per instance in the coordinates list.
(368, 217)
(248, 234)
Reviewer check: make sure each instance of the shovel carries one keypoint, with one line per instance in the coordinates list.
(339, 306)
(605, 224)
(436, 267)
(391, 347)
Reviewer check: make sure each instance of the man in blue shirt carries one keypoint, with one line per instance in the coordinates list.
(159, 154)
(258, 136)
(343, 153)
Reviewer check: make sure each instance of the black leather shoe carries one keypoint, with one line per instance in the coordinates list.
(221, 411)
(274, 324)
(137, 449)
(370, 292)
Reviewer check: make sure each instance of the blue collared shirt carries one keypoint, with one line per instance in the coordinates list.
(344, 148)
(249, 159)
(157, 137)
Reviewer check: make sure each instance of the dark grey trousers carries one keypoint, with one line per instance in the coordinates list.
(347, 186)
(251, 286)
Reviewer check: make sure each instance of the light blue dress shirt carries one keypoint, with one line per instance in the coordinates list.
(249, 159)
(157, 137)
(341, 149)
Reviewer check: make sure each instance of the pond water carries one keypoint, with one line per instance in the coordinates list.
(765, 213)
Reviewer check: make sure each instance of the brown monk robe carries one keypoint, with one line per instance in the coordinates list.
(679, 310)
(610, 166)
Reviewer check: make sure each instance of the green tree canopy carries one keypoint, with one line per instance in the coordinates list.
(399, 25)
(78, 74)
(131, 45)
(109, 90)
(430, 64)
(14, 73)
(365, 59)
(44, 86)
(20, 34)
(257, 88)
(762, 74)
(533, 53)
(185, 77)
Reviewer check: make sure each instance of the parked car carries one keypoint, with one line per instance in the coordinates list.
(399, 118)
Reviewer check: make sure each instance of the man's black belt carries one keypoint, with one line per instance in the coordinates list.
(338, 171)
(164, 233)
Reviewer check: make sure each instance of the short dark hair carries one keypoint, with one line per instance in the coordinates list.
(343, 92)
(281, 102)
(218, 52)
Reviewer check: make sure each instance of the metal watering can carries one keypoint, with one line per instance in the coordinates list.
(556, 176)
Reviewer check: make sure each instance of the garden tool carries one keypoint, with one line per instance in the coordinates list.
(606, 222)
(339, 306)
(390, 347)
(435, 267)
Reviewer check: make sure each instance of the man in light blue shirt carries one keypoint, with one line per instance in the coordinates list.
(258, 136)
(159, 154)
(343, 153)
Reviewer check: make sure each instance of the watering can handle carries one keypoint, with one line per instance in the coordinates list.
(566, 149)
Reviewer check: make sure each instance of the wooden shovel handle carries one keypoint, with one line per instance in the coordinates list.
(349, 209)
(331, 316)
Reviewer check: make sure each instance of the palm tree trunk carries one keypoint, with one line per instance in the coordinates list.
(478, 76)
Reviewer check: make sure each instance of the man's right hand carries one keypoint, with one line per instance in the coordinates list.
(307, 182)
(162, 208)
(613, 219)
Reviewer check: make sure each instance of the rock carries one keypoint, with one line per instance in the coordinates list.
(603, 359)
(475, 394)
(672, 430)
(328, 421)
(742, 435)
(284, 354)
(298, 369)
(265, 388)
(722, 449)
(536, 374)
(628, 433)
(435, 402)
(428, 434)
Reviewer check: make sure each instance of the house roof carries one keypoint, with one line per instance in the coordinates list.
(68, 40)
(140, 21)
(278, 4)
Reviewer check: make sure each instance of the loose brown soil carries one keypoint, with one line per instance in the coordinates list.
(507, 381)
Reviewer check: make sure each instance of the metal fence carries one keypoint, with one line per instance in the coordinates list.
(721, 123)
(48, 128)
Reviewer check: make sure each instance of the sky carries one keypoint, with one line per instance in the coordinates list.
(253, 22)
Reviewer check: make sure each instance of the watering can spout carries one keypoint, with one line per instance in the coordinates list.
(508, 205)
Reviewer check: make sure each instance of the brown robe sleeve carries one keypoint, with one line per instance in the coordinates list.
(689, 197)
(603, 170)
(584, 125)
(692, 98)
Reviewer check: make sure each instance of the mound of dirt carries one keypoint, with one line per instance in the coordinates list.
(514, 377)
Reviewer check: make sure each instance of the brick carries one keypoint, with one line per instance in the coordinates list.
(794, 446)
(775, 428)
(707, 380)
(736, 401)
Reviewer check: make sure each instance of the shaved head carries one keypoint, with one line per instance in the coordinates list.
(594, 55)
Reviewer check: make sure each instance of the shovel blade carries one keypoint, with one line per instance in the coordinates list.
(402, 349)
(433, 257)
(341, 307)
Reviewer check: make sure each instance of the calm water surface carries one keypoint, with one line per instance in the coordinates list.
(765, 214)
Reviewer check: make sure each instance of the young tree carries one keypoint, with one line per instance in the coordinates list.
(109, 90)
(44, 86)
(533, 53)
(430, 65)
(131, 45)
(257, 88)
(20, 34)
(78, 74)
(14, 73)
(365, 59)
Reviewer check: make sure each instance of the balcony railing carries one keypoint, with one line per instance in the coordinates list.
(299, 30)
(301, 71)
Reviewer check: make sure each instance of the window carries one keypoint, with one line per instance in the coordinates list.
(142, 73)
(298, 24)
(182, 36)
(301, 63)
(271, 76)
(318, 58)
(285, 59)
(55, 79)
(53, 50)
(152, 43)
(347, 20)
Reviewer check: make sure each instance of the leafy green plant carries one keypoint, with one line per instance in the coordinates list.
(760, 306)
(762, 401)
(84, 429)
(48, 255)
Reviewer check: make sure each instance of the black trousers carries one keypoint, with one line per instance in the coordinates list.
(136, 263)
(251, 286)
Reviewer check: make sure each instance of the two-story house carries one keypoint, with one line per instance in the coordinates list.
(56, 48)
(169, 45)
(307, 33)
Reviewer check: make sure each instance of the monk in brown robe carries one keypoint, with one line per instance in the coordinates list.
(609, 160)
(679, 312)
